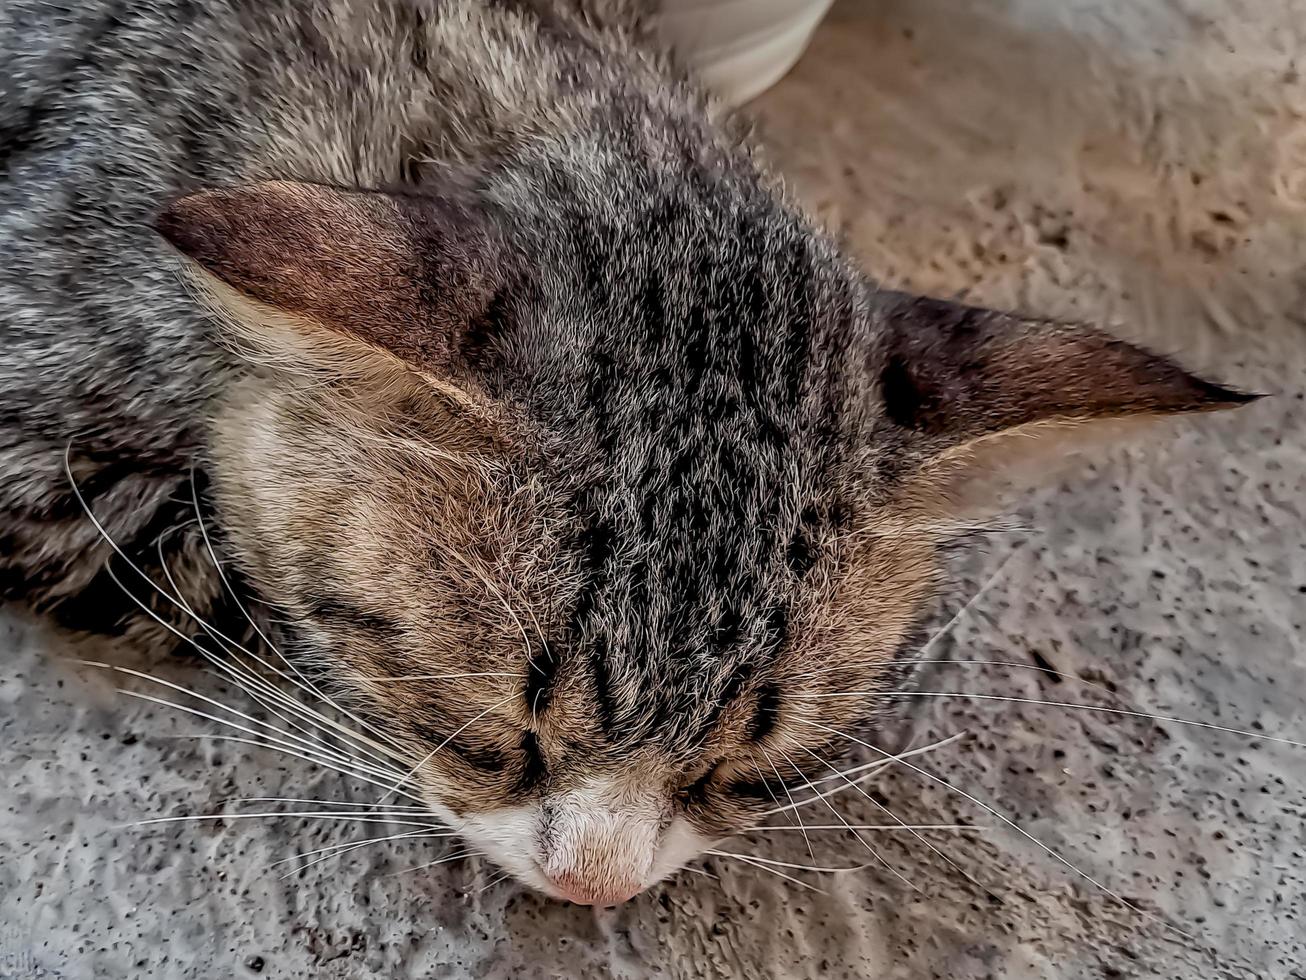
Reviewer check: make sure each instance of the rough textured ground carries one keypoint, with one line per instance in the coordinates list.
(1142, 164)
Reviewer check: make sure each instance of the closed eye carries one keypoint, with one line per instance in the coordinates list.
(488, 760)
(534, 768)
(541, 672)
(768, 713)
(695, 794)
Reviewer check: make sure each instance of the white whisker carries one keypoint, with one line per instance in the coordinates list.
(322, 765)
(287, 739)
(393, 808)
(280, 814)
(884, 809)
(861, 840)
(970, 604)
(243, 678)
(708, 874)
(264, 692)
(406, 778)
(181, 604)
(771, 862)
(302, 751)
(1128, 713)
(757, 864)
(965, 827)
(1008, 822)
(867, 771)
(432, 864)
(794, 811)
(338, 850)
(492, 882)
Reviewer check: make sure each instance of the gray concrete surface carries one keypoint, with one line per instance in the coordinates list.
(1142, 164)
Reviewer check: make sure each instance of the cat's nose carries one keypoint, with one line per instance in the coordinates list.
(601, 895)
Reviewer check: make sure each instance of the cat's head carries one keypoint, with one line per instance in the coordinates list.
(597, 515)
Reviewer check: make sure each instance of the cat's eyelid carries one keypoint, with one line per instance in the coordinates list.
(541, 673)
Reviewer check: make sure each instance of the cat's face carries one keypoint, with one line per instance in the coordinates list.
(603, 541)
(591, 705)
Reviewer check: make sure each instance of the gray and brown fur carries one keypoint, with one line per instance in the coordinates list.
(523, 365)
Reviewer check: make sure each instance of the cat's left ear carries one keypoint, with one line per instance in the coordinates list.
(955, 383)
(404, 274)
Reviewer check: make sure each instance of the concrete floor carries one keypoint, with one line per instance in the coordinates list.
(1137, 164)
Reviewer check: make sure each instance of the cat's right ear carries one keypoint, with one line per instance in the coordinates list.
(975, 398)
(408, 275)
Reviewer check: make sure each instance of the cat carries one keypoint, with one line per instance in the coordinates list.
(572, 455)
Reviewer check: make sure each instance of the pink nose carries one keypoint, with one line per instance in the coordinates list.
(573, 889)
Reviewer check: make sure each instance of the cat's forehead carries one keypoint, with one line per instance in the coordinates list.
(683, 608)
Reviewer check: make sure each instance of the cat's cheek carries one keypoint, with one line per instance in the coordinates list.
(681, 843)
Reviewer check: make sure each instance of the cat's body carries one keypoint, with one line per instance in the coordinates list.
(574, 426)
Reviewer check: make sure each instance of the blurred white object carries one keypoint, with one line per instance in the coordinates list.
(740, 48)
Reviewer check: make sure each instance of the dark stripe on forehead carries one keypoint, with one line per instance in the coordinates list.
(609, 709)
(727, 692)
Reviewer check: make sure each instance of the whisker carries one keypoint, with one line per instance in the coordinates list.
(769, 792)
(257, 687)
(923, 655)
(244, 678)
(779, 874)
(498, 594)
(297, 814)
(884, 809)
(493, 881)
(951, 624)
(409, 775)
(1008, 822)
(861, 840)
(794, 812)
(873, 826)
(394, 807)
(322, 765)
(302, 751)
(707, 874)
(386, 745)
(287, 738)
(226, 584)
(180, 603)
(868, 770)
(432, 864)
(1015, 665)
(338, 850)
(787, 864)
(1128, 713)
